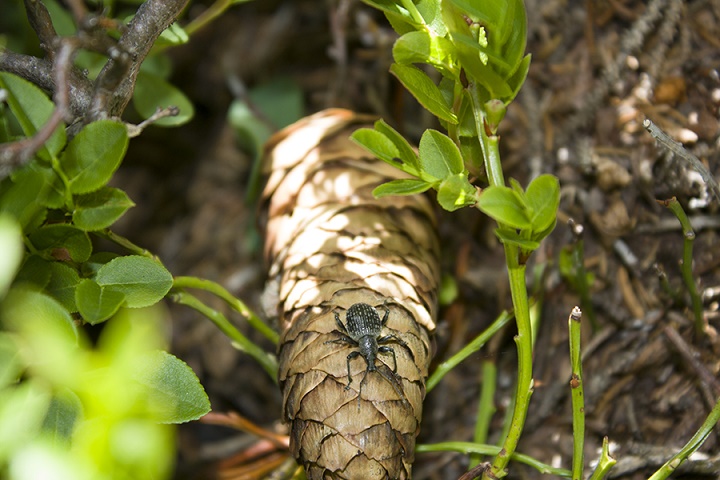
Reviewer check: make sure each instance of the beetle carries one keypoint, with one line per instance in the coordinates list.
(362, 329)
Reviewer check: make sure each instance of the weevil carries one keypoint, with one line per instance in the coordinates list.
(362, 329)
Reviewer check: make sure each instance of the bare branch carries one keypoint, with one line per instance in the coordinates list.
(13, 155)
(40, 72)
(115, 84)
(40, 21)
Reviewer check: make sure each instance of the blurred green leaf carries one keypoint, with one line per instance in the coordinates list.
(19, 198)
(32, 108)
(424, 90)
(174, 389)
(504, 205)
(11, 364)
(95, 303)
(456, 192)
(11, 246)
(63, 413)
(439, 156)
(404, 186)
(152, 92)
(100, 209)
(60, 240)
(143, 281)
(22, 410)
(92, 157)
(173, 35)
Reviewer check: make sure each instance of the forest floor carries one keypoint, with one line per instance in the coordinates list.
(599, 68)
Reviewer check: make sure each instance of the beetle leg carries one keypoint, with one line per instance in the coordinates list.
(398, 340)
(350, 357)
(344, 339)
(387, 314)
(386, 349)
(339, 324)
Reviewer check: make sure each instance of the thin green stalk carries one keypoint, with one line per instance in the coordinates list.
(240, 341)
(581, 283)
(523, 341)
(469, 448)
(486, 407)
(518, 290)
(125, 243)
(686, 264)
(578, 395)
(605, 462)
(695, 442)
(235, 303)
(468, 350)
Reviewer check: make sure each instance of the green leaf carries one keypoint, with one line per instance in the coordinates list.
(377, 144)
(439, 156)
(143, 281)
(36, 313)
(36, 271)
(11, 246)
(405, 151)
(173, 35)
(33, 109)
(11, 364)
(61, 240)
(281, 101)
(422, 47)
(22, 409)
(176, 395)
(62, 285)
(19, 198)
(64, 411)
(456, 192)
(511, 237)
(543, 197)
(152, 92)
(95, 262)
(94, 154)
(424, 90)
(505, 206)
(52, 192)
(100, 209)
(95, 303)
(404, 186)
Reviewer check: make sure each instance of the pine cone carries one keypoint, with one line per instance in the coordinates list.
(331, 245)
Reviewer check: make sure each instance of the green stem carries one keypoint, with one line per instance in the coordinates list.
(413, 11)
(125, 243)
(468, 350)
(605, 463)
(206, 17)
(469, 448)
(695, 442)
(577, 391)
(686, 264)
(488, 143)
(486, 407)
(523, 341)
(235, 303)
(240, 341)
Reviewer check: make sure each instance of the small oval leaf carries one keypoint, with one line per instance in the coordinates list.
(62, 241)
(456, 192)
(94, 154)
(403, 186)
(439, 156)
(152, 92)
(143, 281)
(100, 209)
(424, 90)
(176, 395)
(95, 303)
(504, 205)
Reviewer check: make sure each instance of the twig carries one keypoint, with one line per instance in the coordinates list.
(136, 130)
(677, 149)
(13, 155)
(40, 21)
(115, 83)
